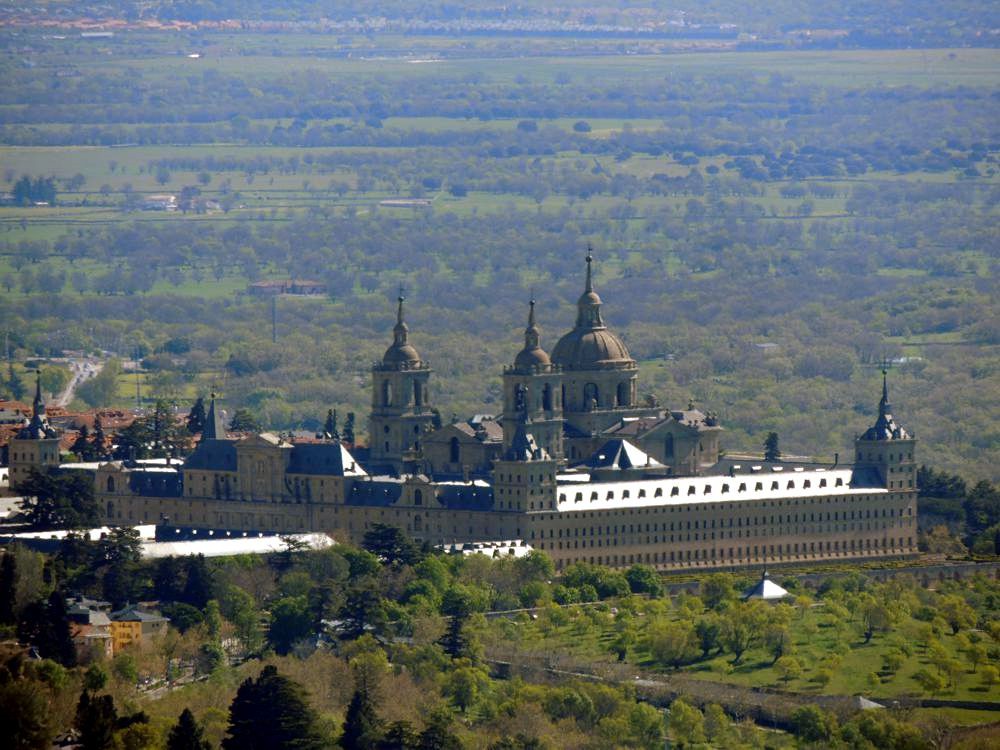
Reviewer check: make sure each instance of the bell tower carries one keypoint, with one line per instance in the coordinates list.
(36, 445)
(887, 448)
(532, 395)
(401, 411)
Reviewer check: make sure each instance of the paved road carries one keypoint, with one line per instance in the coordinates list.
(83, 370)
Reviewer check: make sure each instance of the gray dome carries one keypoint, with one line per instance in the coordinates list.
(403, 353)
(590, 349)
(528, 358)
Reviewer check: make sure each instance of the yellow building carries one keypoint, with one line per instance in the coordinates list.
(131, 625)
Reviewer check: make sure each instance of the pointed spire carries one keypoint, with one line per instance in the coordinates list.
(400, 330)
(39, 405)
(532, 355)
(531, 333)
(214, 429)
(884, 406)
(589, 305)
(885, 427)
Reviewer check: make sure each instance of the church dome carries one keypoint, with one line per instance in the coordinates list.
(590, 349)
(590, 345)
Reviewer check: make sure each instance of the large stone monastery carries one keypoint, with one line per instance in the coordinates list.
(574, 466)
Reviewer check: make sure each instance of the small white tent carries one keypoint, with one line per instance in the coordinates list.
(765, 589)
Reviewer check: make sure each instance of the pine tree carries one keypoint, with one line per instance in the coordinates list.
(8, 589)
(15, 385)
(187, 734)
(58, 640)
(196, 417)
(95, 720)
(81, 446)
(438, 735)
(198, 587)
(360, 723)
(349, 428)
(330, 427)
(99, 445)
(771, 451)
(399, 736)
(271, 712)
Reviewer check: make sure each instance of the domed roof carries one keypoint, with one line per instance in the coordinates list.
(528, 358)
(590, 345)
(401, 352)
(532, 355)
(590, 349)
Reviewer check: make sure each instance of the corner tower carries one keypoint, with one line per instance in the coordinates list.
(401, 412)
(888, 449)
(36, 445)
(532, 395)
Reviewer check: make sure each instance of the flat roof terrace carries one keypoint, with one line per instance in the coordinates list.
(756, 485)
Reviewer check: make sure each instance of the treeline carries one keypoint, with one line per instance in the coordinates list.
(915, 24)
(28, 191)
(974, 511)
(697, 111)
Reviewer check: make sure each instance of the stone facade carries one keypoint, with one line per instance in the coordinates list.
(574, 467)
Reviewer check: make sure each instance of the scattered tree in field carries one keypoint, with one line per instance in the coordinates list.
(671, 643)
(956, 612)
(29, 191)
(788, 668)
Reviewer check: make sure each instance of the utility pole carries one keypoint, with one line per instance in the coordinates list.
(138, 392)
(274, 319)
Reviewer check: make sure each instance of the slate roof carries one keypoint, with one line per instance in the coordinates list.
(157, 483)
(213, 455)
(329, 459)
(465, 496)
(621, 454)
(765, 589)
(131, 613)
(376, 492)
(491, 431)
